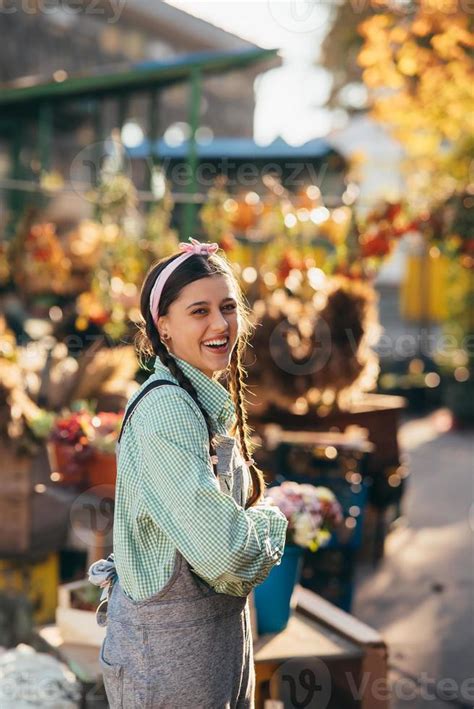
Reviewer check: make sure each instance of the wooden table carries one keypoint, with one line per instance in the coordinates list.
(321, 647)
(321, 659)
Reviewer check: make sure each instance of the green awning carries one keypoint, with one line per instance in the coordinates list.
(142, 76)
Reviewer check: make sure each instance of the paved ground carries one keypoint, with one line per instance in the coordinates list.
(421, 595)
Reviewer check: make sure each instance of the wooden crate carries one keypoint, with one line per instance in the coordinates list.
(33, 518)
(16, 494)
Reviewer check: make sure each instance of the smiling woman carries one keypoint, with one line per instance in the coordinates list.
(192, 533)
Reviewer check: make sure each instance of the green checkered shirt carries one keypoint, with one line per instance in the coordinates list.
(168, 497)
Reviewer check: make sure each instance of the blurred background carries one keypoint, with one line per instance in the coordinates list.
(328, 148)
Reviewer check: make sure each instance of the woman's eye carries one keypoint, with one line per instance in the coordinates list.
(230, 306)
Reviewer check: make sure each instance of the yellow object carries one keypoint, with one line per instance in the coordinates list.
(37, 581)
(424, 287)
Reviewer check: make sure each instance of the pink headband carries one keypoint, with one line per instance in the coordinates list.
(195, 247)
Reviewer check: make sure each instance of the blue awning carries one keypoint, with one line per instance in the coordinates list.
(236, 148)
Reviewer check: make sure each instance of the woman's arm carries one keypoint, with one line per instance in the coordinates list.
(231, 548)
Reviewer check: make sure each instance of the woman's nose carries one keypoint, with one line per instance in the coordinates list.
(219, 322)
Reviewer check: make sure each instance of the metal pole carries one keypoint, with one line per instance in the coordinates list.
(189, 216)
(45, 135)
(153, 127)
(15, 199)
(98, 139)
(123, 103)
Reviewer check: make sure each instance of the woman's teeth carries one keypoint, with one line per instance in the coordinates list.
(217, 345)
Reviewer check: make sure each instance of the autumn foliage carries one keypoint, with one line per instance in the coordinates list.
(418, 64)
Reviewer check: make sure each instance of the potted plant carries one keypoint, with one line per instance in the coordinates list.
(102, 468)
(68, 447)
(81, 447)
(312, 513)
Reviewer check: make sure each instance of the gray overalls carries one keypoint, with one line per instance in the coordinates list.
(187, 646)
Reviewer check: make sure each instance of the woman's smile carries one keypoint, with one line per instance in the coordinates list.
(217, 345)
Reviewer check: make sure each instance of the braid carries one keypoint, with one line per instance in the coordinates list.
(184, 382)
(237, 385)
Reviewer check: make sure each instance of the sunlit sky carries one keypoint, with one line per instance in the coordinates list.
(289, 100)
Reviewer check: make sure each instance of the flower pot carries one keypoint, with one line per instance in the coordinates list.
(102, 469)
(69, 461)
(273, 596)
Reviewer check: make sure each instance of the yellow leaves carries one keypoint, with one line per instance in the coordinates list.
(408, 65)
(421, 26)
(383, 75)
(412, 59)
(446, 45)
(367, 57)
(398, 34)
(438, 8)
(424, 143)
(371, 27)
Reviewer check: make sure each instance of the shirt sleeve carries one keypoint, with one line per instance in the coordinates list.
(231, 548)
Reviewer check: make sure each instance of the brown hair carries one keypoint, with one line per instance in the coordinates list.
(148, 343)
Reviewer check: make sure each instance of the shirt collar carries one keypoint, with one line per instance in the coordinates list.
(215, 398)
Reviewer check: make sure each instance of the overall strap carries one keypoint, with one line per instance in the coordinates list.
(131, 408)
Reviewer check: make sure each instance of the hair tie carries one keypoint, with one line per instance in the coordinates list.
(250, 462)
(195, 247)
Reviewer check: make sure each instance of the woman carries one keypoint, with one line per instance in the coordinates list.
(192, 533)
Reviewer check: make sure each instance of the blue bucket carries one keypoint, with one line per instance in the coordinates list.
(273, 596)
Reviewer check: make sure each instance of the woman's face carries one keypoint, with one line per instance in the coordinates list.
(205, 311)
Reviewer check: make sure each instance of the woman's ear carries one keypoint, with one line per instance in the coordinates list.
(162, 328)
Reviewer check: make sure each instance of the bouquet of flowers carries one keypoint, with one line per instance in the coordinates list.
(312, 512)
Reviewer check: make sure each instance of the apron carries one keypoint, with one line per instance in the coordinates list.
(186, 646)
